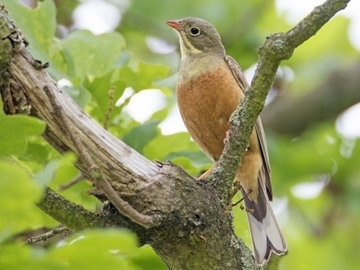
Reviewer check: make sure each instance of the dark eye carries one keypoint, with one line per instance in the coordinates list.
(195, 31)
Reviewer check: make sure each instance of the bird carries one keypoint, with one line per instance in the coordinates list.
(209, 88)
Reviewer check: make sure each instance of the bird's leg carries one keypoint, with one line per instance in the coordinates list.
(243, 198)
(207, 173)
(227, 137)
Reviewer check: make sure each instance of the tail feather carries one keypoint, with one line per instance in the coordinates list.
(265, 231)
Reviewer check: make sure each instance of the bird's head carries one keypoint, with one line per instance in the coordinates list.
(198, 38)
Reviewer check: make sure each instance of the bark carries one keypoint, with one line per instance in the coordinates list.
(193, 234)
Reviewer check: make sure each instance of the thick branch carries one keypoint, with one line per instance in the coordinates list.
(277, 47)
(193, 234)
(74, 216)
(339, 91)
(189, 233)
(101, 183)
(77, 218)
(116, 158)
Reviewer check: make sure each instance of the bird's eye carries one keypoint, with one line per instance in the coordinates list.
(195, 31)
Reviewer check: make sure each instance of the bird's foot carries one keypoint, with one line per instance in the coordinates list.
(227, 137)
(251, 211)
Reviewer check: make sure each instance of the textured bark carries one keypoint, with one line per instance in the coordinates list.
(194, 234)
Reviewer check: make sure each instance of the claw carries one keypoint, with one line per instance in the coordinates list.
(227, 137)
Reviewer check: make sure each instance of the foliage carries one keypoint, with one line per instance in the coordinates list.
(321, 229)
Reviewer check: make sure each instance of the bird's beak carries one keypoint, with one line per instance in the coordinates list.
(175, 24)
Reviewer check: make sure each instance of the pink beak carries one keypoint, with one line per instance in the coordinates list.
(175, 24)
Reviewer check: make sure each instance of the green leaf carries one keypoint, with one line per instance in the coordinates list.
(141, 135)
(15, 131)
(38, 24)
(179, 149)
(189, 165)
(91, 55)
(143, 77)
(36, 152)
(99, 88)
(111, 249)
(19, 193)
(198, 158)
(163, 147)
(21, 257)
(146, 258)
(161, 114)
(45, 176)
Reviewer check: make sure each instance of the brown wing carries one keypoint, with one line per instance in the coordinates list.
(241, 80)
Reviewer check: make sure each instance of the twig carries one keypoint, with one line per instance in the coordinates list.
(47, 235)
(110, 108)
(72, 182)
(101, 182)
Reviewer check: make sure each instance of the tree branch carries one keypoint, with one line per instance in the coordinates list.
(74, 216)
(195, 235)
(101, 183)
(277, 47)
(47, 235)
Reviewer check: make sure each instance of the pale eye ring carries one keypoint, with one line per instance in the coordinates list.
(195, 31)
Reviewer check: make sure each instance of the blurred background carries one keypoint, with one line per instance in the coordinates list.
(312, 117)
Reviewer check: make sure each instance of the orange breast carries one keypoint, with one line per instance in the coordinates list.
(206, 104)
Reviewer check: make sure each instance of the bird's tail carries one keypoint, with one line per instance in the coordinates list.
(265, 231)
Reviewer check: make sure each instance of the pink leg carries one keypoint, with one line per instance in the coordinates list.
(227, 137)
(207, 173)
